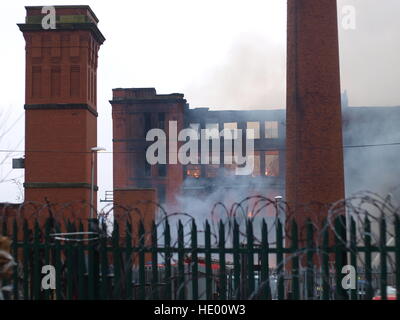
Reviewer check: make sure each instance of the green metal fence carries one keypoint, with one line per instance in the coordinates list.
(193, 264)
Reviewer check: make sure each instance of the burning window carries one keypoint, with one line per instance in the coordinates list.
(254, 125)
(271, 130)
(193, 171)
(272, 163)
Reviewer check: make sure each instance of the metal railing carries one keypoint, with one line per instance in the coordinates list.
(231, 263)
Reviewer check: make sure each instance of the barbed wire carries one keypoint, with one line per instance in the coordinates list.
(357, 209)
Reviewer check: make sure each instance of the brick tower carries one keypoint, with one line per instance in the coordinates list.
(60, 105)
(135, 111)
(314, 158)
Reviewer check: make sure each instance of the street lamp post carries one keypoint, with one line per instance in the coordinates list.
(93, 150)
(94, 227)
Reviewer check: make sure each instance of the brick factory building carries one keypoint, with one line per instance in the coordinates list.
(137, 110)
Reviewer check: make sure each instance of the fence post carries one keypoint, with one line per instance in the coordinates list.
(142, 275)
(340, 251)
(81, 264)
(222, 265)
(236, 260)
(279, 259)
(128, 260)
(382, 246)
(325, 262)
(181, 265)
(368, 266)
(353, 255)
(266, 293)
(207, 242)
(250, 258)
(15, 252)
(94, 259)
(47, 251)
(116, 252)
(48, 243)
(397, 253)
(57, 264)
(36, 261)
(310, 262)
(26, 263)
(295, 261)
(195, 284)
(104, 289)
(154, 262)
(70, 265)
(167, 240)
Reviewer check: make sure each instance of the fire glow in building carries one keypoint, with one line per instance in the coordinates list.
(138, 110)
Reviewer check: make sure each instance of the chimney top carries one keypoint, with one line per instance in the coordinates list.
(67, 18)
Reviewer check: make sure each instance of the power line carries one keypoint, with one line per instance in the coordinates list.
(133, 151)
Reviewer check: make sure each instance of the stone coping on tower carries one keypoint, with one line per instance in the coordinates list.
(67, 18)
(67, 13)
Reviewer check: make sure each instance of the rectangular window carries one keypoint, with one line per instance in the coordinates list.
(147, 123)
(212, 170)
(271, 130)
(36, 82)
(75, 85)
(272, 163)
(230, 125)
(55, 82)
(254, 125)
(161, 120)
(95, 87)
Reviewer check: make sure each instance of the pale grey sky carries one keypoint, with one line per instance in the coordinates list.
(225, 53)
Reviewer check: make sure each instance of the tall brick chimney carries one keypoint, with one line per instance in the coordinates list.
(60, 104)
(314, 157)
